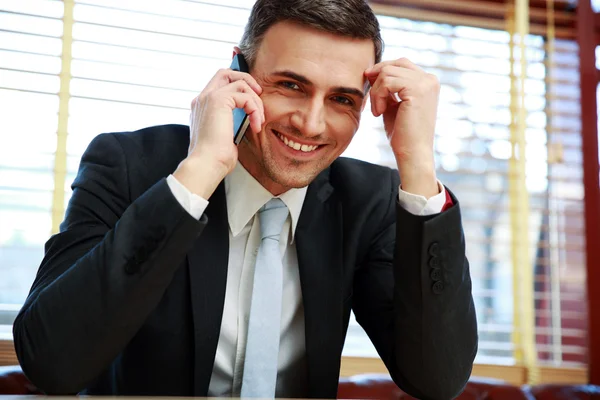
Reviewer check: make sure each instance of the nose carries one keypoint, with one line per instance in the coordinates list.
(310, 118)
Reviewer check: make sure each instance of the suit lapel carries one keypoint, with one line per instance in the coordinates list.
(319, 247)
(208, 278)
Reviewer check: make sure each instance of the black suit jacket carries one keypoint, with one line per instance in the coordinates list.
(128, 299)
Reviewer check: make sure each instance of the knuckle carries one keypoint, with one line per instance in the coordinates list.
(433, 80)
(242, 86)
(251, 99)
(385, 71)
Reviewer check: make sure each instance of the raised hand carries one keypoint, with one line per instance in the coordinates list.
(212, 153)
(407, 97)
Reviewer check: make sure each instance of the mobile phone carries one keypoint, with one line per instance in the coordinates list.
(240, 118)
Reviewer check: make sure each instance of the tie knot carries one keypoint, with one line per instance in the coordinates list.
(272, 216)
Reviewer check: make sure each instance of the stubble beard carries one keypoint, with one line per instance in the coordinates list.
(293, 176)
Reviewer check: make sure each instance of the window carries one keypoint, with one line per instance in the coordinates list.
(139, 63)
(473, 151)
(30, 49)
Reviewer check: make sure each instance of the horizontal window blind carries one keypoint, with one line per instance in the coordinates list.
(30, 63)
(140, 63)
(473, 151)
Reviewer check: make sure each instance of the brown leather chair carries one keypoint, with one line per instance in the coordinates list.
(380, 386)
(369, 386)
(492, 389)
(13, 381)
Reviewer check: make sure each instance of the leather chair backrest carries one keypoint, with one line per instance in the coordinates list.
(13, 381)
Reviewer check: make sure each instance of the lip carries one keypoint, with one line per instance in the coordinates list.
(298, 154)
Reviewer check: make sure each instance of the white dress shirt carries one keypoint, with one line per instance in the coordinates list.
(245, 196)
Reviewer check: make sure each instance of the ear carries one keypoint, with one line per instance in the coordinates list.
(236, 50)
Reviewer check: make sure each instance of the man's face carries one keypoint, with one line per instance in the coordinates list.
(313, 94)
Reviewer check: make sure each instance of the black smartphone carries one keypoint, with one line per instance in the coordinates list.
(240, 118)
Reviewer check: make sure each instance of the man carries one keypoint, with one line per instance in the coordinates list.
(156, 284)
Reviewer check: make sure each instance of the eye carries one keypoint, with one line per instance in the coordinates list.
(343, 100)
(289, 85)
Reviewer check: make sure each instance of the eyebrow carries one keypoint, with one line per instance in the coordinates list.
(305, 81)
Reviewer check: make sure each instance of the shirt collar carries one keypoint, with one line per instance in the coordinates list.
(245, 196)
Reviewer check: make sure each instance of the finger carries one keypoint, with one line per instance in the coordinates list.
(249, 79)
(383, 85)
(248, 101)
(401, 63)
(217, 81)
(244, 87)
(386, 87)
(372, 101)
(382, 104)
(395, 71)
(226, 76)
(375, 104)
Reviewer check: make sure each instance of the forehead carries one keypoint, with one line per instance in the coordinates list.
(324, 58)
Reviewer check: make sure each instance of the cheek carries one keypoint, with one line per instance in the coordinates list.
(276, 106)
(343, 127)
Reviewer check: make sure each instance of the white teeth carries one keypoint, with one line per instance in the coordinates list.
(297, 146)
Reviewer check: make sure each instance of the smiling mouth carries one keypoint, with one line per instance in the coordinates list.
(296, 146)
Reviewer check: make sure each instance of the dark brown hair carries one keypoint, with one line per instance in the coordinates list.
(350, 18)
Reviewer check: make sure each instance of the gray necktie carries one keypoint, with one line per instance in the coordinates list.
(262, 346)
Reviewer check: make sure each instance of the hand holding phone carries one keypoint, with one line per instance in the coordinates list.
(212, 153)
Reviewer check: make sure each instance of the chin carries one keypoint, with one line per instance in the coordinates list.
(291, 180)
(292, 176)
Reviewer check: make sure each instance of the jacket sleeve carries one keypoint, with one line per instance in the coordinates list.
(102, 275)
(412, 295)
